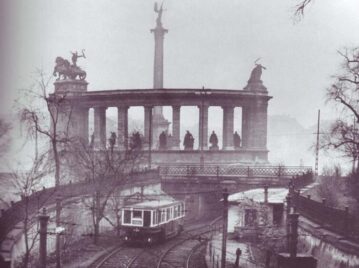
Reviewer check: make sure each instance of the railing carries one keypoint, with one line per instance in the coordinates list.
(16, 213)
(340, 221)
(233, 171)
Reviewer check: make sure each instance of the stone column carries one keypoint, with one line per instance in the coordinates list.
(100, 127)
(147, 125)
(228, 116)
(78, 127)
(257, 124)
(203, 127)
(176, 126)
(245, 126)
(122, 127)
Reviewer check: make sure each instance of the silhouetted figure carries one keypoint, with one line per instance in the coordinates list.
(92, 141)
(112, 140)
(163, 140)
(236, 140)
(188, 141)
(238, 255)
(136, 142)
(213, 141)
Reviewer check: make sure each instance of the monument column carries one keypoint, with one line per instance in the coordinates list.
(159, 122)
(100, 127)
(228, 116)
(176, 126)
(203, 127)
(147, 126)
(122, 127)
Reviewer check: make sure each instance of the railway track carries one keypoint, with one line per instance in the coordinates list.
(175, 252)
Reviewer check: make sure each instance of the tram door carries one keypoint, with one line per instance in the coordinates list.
(146, 218)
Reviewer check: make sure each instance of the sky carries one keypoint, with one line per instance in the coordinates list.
(210, 43)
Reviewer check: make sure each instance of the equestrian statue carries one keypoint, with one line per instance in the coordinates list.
(64, 70)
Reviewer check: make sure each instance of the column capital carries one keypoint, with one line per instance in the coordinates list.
(123, 107)
(204, 106)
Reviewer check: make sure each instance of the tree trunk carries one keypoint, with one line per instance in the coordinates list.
(96, 232)
(57, 161)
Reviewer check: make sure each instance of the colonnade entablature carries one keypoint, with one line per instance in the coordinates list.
(254, 105)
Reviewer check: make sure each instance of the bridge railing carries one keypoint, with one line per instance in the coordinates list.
(233, 171)
(340, 221)
(47, 196)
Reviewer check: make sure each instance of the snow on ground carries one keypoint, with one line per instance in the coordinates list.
(275, 195)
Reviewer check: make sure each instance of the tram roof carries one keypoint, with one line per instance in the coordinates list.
(154, 204)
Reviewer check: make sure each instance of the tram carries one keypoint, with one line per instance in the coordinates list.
(152, 221)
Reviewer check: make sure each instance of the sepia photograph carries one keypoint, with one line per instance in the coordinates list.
(179, 134)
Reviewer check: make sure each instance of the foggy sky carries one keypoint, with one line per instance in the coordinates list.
(210, 43)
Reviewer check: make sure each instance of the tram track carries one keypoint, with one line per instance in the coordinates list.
(158, 256)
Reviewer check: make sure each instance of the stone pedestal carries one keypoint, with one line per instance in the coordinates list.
(159, 124)
(176, 127)
(256, 86)
(72, 117)
(70, 86)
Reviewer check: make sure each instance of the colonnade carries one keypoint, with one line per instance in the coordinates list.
(254, 126)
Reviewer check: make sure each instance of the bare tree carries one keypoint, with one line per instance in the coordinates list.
(4, 137)
(26, 183)
(344, 93)
(301, 6)
(108, 170)
(47, 122)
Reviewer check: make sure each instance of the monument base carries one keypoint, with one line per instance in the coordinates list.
(70, 85)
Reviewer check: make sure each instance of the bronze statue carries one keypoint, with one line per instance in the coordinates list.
(236, 140)
(75, 56)
(136, 141)
(112, 140)
(214, 141)
(163, 140)
(256, 72)
(159, 12)
(188, 141)
(66, 71)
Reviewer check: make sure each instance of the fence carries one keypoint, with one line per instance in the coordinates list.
(16, 213)
(234, 171)
(340, 221)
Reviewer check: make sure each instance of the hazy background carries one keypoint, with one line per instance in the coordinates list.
(210, 43)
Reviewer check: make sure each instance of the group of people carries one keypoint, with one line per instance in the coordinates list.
(188, 142)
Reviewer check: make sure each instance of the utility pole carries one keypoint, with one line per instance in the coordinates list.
(43, 219)
(317, 149)
(293, 220)
(225, 224)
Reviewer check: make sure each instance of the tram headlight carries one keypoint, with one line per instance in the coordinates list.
(126, 238)
(149, 240)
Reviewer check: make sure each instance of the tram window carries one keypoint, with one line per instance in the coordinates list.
(168, 213)
(153, 217)
(175, 213)
(163, 215)
(180, 212)
(146, 218)
(127, 216)
(137, 214)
